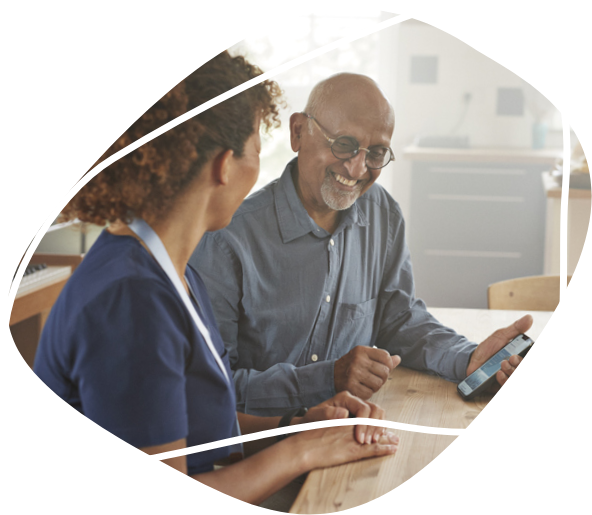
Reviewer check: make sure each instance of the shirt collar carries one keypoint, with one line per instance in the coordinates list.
(292, 217)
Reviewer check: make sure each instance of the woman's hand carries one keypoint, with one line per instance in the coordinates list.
(257, 477)
(343, 405)
(331, 446)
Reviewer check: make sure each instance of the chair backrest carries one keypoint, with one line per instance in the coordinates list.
(536, 293)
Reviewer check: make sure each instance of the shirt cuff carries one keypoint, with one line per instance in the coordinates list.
(316, 382)
(462, 361)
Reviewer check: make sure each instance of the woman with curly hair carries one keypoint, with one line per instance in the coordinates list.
(132, 342)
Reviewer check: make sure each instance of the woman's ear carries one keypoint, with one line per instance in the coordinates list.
(221, 167)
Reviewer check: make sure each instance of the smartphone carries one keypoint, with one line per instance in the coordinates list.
(482, 378)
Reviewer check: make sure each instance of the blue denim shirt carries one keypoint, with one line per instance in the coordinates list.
(290, 298)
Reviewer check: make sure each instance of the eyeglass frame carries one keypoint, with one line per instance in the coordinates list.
(357, 151)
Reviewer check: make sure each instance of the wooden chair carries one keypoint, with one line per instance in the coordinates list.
(536, 293)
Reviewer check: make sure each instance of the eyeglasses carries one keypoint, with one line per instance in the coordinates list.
(346, 147)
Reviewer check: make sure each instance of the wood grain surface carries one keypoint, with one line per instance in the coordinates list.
(414, 398)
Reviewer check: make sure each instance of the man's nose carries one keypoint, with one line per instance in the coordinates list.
(356, 166)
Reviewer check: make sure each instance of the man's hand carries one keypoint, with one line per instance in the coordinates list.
(343, 405)
(363, 370)
(496, 342)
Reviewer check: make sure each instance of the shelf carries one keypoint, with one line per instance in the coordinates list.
(483, 154)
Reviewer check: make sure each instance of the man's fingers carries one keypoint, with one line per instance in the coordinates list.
(360, 369)
(373, 377)
(501, 377)
(371, 381)
(524, 324)
(382, 356)
(380, 370)
(518, 327)
(497, 341)
(357, 389)
(509, 366)
(379, 355)
(368, 376)
(515, 360)
(363, 370)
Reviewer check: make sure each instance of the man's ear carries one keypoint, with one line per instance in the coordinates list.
(297, 128)
(221, 167)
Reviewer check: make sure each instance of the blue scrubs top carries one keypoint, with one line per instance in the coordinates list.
(121, 348)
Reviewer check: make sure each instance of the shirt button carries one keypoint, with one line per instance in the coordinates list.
(328, 298)
(314, 357)
(332, 242)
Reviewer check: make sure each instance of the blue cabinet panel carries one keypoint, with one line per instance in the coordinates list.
(473, 224)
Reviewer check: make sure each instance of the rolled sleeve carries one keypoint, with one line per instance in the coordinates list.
(406, 326)
(283, 387)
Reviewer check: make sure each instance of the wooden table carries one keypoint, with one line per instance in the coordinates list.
(414, 398)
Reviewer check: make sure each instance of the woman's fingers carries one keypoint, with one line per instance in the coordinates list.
(354, 405)
(373, 433)
(388, 443)
(345, 403)
(336, 445)
(324, 412)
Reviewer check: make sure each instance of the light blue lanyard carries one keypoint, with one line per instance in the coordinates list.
(160, 254)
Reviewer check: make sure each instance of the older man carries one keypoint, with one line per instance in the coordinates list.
(312, 283)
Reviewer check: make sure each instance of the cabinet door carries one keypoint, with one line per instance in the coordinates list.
(472, 225)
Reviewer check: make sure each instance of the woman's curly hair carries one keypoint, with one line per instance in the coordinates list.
(145, 182)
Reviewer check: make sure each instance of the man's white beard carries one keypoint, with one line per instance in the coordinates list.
(336, 199)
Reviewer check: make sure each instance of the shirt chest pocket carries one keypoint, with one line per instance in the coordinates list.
(353, 326)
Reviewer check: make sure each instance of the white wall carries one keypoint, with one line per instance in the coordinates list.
(435, 109)
(385, 56)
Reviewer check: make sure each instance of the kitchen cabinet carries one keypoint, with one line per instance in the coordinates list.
(477, 216)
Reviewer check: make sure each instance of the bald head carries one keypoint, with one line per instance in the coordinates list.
(356, 94)
(346, 111)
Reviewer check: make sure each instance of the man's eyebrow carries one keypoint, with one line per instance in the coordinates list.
(335, 135)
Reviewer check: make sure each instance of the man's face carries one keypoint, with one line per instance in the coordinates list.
(324, 180)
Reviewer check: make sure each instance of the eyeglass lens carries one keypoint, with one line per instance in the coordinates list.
(345, 147)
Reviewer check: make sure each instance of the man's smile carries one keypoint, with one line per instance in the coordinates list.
(350, 183)
(343, 180)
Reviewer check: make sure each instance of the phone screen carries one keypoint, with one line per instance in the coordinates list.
(493, 364)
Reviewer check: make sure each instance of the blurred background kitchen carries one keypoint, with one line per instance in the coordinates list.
(476, 148)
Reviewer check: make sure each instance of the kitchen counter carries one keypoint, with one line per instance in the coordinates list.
(546, 156)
